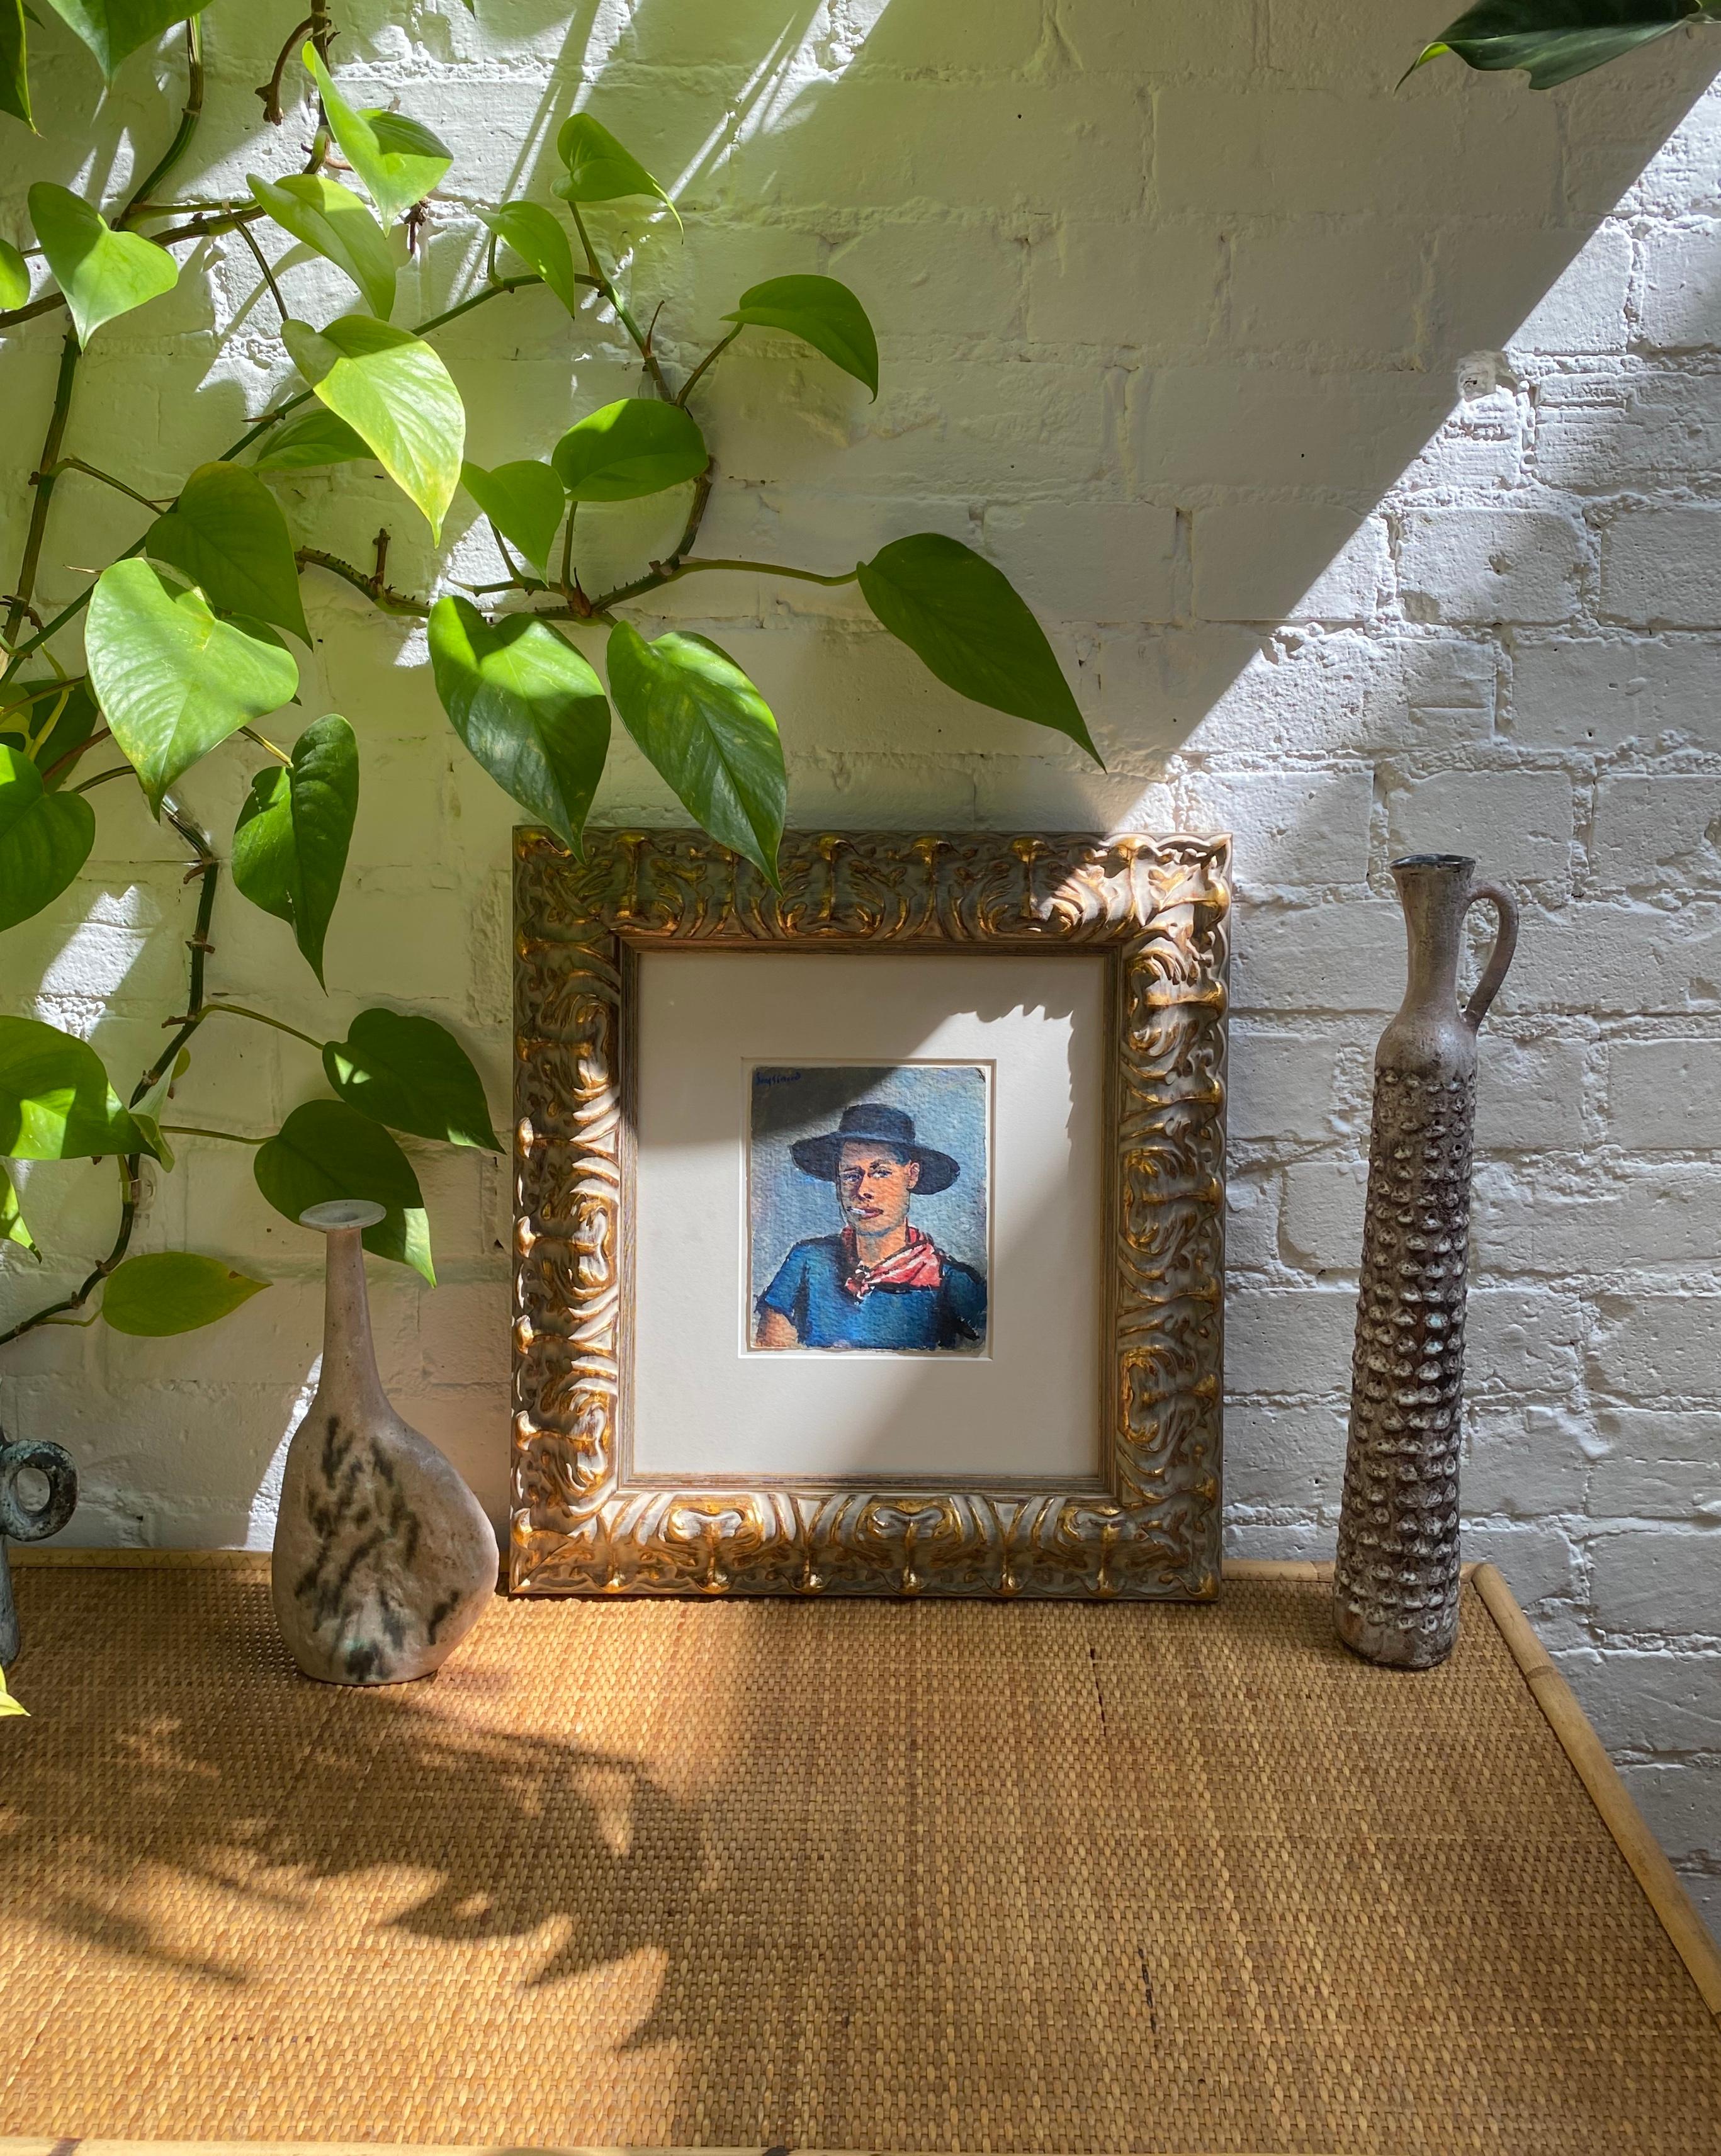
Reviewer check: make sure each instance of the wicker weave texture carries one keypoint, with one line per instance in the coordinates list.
(843, 1875)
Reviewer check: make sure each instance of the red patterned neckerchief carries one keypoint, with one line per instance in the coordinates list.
(918, 1264)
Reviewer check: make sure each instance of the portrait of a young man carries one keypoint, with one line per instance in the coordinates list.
(881, 1276)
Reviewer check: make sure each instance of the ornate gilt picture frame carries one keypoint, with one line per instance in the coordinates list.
(1158, 911)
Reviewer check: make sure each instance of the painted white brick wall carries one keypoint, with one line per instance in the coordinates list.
(1363, 453)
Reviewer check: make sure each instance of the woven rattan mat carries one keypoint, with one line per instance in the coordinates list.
(846, 1875)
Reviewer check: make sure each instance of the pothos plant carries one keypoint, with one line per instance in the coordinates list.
(1555, 41)
(186, 642)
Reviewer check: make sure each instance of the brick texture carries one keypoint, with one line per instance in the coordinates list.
(1361, 453)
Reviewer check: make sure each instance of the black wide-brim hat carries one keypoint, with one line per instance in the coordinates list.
(872, 1119)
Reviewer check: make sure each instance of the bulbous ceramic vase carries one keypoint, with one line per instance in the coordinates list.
(383, 1558)
(1395, 1584)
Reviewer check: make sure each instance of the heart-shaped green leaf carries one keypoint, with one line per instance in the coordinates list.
(394, 392)
(12, 1226)
(173, 682)
(536, 238)
(525, 502)
(289, 845)
(227, 535)
(413, 1074)
(113, 28)
(1555, 40)
(15, 98)
(964, 621)
(45, 840)
(820, 312)
(102, 274)
(636, 447)
(173, 1291)
(325, 1150)
(398, 160)
(709, 732)
(311, 439)
(45, 720)
(598, 169)
(528, 705)
(332, 222)
(14, 271)
(55, 1100)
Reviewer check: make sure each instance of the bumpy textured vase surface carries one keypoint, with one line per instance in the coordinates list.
(1396, 1584)
(25, 1523)
(383, 1558)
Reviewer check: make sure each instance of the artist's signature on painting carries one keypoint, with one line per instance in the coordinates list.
(775, 1077)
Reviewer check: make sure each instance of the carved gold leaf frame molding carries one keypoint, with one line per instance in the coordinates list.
(1158, 909)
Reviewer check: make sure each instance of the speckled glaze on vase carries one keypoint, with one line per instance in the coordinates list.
(383, 1558)
(1395, 1582)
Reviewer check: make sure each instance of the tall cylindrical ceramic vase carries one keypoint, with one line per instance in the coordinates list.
(383, 1558)
(1395, 1584)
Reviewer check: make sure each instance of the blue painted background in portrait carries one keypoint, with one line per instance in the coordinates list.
(787, 1101)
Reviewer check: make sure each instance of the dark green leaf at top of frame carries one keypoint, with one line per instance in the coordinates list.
(821, 312)
(966, 622)
(325, 1150)
(412, 1073)
(1555, 40)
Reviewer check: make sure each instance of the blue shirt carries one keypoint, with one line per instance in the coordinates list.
(809, 1291)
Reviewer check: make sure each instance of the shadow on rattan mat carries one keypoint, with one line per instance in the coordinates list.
(857, 1876)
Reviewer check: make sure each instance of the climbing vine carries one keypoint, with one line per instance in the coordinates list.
(186, 642)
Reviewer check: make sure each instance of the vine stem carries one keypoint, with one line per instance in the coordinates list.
(716, 353)
(258, 428)
(207, 868)
(619, 308)
(383, 597)
(70, 352)
(200, 1131)
(94, 471)
(261, 259)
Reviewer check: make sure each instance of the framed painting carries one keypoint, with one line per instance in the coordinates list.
(870, 1231)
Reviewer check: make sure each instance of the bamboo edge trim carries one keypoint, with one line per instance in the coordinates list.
(43, 2145)
(1619, 1814)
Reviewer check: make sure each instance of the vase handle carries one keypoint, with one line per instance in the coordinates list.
(1494, 973)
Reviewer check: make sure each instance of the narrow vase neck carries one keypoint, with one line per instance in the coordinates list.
(1433, 901)
(349, 1364)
